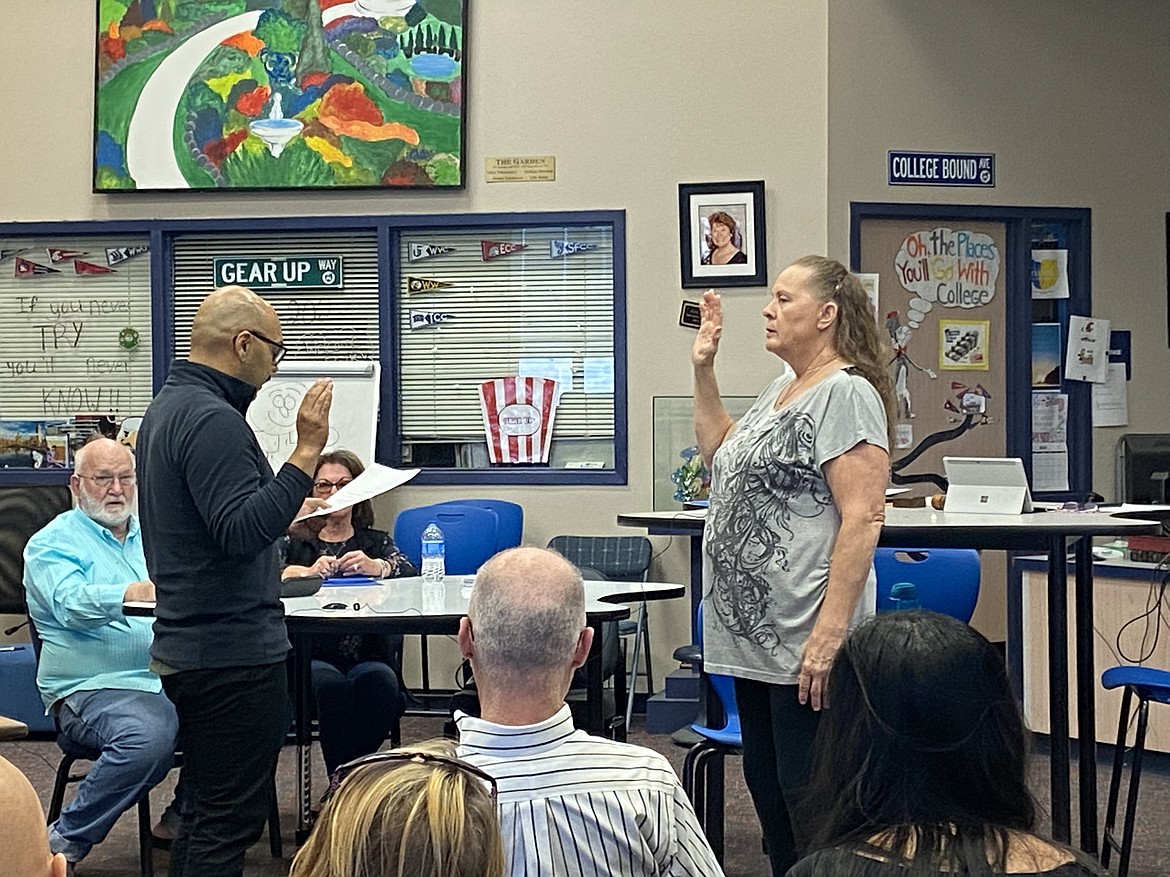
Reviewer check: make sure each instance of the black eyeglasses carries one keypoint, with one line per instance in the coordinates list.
(323, 486)
(278, 349)
(105, 482)
(405, 757)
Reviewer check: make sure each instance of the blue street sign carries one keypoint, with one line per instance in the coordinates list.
(941, 169)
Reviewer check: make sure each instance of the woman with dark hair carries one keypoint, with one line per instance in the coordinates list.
(356, 681)
(797, 503)
(919, 769)
(722, 241)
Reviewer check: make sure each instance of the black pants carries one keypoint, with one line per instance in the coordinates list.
(778, 735)
(232, 723)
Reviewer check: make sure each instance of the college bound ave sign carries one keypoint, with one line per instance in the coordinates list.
(941, 169)
(292, 272)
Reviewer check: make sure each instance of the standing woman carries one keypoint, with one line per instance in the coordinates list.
(797, 503)
(356, 681)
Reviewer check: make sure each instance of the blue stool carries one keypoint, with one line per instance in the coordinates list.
(1148, 684)
(702, 773)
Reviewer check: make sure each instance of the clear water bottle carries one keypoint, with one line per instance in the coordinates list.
(903, 595)
(434, 551)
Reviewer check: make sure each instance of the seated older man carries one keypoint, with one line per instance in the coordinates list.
(92, 671)
(569, 803)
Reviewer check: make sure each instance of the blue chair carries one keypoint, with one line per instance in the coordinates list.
(1146, 684)
(619, 559)
(702, 773)
(470, 534)
(946, 579)
(511, 519)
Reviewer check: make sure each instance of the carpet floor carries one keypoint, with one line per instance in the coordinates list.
(118, 855)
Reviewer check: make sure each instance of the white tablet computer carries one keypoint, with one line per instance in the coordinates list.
(987, 485)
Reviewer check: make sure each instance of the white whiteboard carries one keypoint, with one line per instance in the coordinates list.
(353, 419)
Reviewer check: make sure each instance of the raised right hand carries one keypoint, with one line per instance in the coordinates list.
(313, 417)
(707, 339)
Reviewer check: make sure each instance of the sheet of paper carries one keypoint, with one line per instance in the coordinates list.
(559, 368)
(1049, 422)
(1050, 471)
(598, 374)
(1050, 274)
(376, 480)
(1085, 358)
(1110, 401)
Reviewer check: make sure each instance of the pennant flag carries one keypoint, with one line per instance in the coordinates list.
(417, 251)
(424, 284)
(25, 268)
(948, 405)
(959, 386)
(422, 319)
(495, 249)
(560, 249)
(82, 267)
(15, 251)
(518, 417)
(979, 389)
(117, 255)
(57, 255)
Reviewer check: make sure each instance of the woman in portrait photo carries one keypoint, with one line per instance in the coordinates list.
(722, 241)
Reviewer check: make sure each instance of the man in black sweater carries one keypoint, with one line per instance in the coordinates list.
(211, 513)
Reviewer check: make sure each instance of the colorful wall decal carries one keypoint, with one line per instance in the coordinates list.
(277, 94)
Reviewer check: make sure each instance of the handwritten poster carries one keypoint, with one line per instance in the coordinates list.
(948, 268)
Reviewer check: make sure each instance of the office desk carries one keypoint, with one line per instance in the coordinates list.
(409, 605)
(1051, 532)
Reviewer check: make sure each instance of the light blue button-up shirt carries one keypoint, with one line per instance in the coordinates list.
(75, 574)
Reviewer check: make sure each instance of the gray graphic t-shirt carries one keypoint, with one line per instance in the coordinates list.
(772, 523)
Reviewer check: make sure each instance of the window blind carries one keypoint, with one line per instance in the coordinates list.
(74, 327)
(318, 324)
(542, 308)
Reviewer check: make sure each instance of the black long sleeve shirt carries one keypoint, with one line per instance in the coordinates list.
(211, 513)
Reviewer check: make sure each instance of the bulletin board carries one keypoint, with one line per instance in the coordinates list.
(941, 300)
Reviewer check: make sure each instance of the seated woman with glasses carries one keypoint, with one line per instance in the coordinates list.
(417, 812)
(919, 766)
(356, 681)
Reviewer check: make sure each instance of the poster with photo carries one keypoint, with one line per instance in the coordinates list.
(1046, 355)
(963, 345)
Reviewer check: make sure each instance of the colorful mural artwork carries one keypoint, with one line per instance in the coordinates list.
(277, 94)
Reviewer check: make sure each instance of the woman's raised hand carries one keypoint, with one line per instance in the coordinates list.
(711, 327)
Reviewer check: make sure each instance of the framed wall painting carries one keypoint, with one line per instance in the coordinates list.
(722, 239)
(279, 94)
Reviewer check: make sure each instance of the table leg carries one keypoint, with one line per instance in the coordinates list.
(302, 692)
(1058, 687)
(696, 583)
(1086, 677)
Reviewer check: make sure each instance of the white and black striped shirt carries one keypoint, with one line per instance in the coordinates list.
(574, 804)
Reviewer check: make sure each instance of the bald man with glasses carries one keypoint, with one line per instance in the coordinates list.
(212, 511)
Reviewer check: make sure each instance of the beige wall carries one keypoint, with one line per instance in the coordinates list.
(628, 98)
(635, 98)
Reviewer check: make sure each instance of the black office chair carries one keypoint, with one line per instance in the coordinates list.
(73, 752)
(618, 559)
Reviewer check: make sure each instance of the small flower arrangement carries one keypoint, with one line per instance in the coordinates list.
(692, 480)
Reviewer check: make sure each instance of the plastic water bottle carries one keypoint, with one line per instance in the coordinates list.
(903, 595)
(434, 551)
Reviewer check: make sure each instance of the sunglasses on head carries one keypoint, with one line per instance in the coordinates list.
(399, 757)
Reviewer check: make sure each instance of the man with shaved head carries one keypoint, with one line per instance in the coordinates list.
(212, 510)
(569, 803)
(22, 828)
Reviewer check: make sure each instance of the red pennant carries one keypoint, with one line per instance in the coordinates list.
(58, 255)
(81, 267)
(25, 268)
(948, 405)
(495, 249)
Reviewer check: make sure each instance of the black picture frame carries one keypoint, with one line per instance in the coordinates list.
(743, 203)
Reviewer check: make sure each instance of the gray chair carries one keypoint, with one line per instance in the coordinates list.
(619, 559)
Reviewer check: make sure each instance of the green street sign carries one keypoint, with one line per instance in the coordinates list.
(292, 272)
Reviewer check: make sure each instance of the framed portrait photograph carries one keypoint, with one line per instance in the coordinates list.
(276, 94)
(722, 240)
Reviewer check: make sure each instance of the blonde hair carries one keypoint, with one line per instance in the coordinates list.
(856, 337)
(406, 819)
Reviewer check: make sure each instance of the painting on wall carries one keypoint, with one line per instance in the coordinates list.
(279, 94)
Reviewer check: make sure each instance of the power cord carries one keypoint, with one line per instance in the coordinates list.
(1155, 616)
